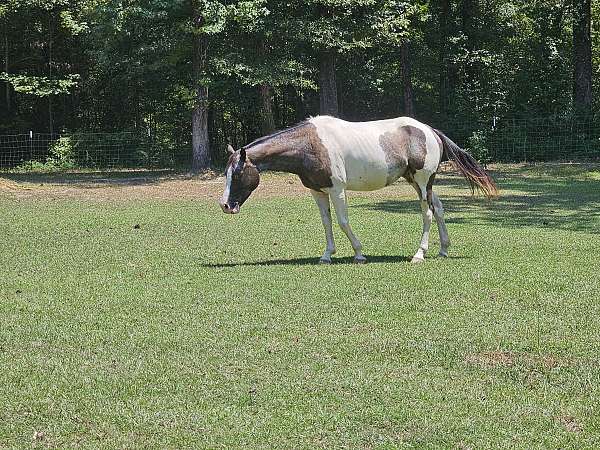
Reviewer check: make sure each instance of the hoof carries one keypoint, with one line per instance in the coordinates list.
(443, 254)
(417, 260)
(360, 260)
(324, 261)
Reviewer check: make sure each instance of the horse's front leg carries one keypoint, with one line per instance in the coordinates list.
(338, 198)
(322, 201)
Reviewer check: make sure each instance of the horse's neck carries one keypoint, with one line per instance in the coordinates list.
(280, 155)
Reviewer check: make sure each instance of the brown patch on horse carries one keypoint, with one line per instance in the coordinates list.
(317, 173)
(250, 176)
(405, 151)
(298, 150)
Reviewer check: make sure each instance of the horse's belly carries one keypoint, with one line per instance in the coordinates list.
(366, 174)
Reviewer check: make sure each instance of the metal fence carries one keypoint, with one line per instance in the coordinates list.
(496, 140)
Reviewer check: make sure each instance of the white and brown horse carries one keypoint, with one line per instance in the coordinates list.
(332, 156)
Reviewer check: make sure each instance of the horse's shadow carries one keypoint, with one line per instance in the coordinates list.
(314, 261)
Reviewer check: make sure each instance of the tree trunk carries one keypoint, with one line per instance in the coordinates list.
(327, 84)
(267, 122)
(200, 144)
(50, 116)
(7, 88)
(445, 88)
(582, 56)
(409, 106)
(50, 42)
(469, 14)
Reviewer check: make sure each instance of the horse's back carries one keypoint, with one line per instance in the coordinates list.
(372, 155)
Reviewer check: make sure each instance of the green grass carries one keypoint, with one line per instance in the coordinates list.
(199, 329)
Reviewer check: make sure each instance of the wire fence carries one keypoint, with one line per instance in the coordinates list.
(532, 139)
(40, 151)
(496, 140)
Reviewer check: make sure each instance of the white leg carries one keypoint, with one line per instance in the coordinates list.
(438, 212)
(322, 201)
(427, 217)
(338, 198)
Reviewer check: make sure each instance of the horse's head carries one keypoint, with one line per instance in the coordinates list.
(241, 178)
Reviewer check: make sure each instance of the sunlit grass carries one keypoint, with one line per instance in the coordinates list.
(198, 329)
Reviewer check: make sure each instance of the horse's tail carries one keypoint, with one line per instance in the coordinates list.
(477, 177)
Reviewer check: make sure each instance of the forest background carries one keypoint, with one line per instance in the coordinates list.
(190, 76)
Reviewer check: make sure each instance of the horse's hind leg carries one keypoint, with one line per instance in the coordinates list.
(426, 198)
(338, 198)
(424, 246)
(438, 212)
(322, 201)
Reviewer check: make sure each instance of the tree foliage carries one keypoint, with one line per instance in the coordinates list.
(113, 65)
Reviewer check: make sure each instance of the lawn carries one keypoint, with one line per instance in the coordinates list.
(134, 314)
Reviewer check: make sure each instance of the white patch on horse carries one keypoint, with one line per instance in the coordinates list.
(227, 190)
(358, 162)
(357, 159)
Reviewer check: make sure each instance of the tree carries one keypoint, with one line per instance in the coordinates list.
(7, 88)
(398, 23)
(332, 28)
(194, 75)
(328, 98)
(264, 91)
(409, 104)
(582, 56)
(40, 37)
(447, 76)
(200, 142)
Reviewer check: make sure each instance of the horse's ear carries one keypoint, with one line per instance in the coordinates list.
(230, 149)
(242, 155)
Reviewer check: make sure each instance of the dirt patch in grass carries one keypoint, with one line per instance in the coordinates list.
(159, 186)
(8, 185)
(133, 187)
(500, 358)
(491, 359)
(569, 423)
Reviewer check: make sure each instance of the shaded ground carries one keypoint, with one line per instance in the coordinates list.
(528, 197)
(166, 184)
(563, 195)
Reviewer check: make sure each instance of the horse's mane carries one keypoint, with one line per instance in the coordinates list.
(274, 135)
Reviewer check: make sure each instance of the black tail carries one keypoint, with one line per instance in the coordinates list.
(477, 177)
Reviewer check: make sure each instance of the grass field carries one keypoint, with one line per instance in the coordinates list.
(133, 313)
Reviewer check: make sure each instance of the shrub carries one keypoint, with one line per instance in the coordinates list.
(62, 156)
(477, 145)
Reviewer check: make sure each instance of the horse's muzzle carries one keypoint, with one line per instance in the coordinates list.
(228, 209)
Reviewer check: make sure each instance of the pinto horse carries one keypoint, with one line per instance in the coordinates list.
(332, 156)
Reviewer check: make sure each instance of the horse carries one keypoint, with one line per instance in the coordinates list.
(332, 156)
